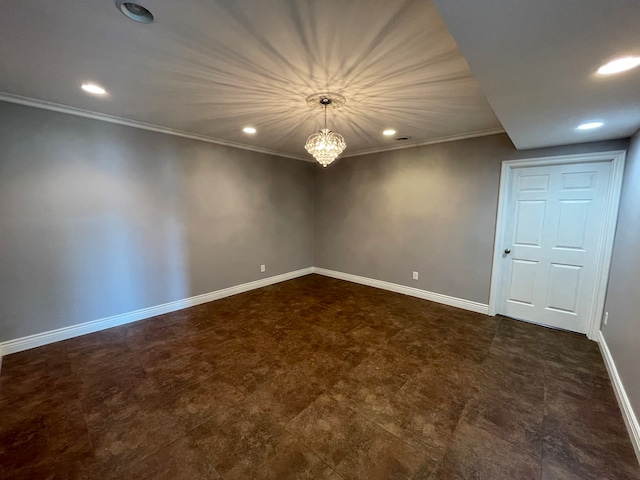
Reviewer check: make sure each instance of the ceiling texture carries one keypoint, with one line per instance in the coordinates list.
(208, 68)
(212, 67)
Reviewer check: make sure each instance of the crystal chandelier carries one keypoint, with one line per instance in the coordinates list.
(325, 145)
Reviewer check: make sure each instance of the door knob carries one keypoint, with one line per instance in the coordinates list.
(507, 251)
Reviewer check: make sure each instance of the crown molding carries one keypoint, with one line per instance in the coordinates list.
(448, 138)
(56, 107)
(79, 112)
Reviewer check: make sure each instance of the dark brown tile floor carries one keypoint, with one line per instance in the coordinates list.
(314, 378)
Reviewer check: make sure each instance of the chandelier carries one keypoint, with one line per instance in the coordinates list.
(325, 145)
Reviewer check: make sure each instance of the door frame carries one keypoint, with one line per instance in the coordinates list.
(617, 159)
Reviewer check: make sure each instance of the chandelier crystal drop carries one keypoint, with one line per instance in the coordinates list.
(325, 145)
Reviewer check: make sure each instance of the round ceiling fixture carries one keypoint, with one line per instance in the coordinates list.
(389, 131)
(619, 65)
(93, 89)
(135, 12)
(590, 125)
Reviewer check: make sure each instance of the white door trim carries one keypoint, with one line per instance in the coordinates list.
(617, 159)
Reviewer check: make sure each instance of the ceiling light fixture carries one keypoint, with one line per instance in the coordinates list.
(135, 12)
(590, 125)
(389, 132)
(93, 89)
(619, 65)
(325, 145)
(249, 130)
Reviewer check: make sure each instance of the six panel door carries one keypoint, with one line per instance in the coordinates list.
(554, 233)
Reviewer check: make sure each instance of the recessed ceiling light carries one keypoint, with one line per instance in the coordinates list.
(590, 125)
(93, 88)
(249, 130)
(619, 65)
(389, 132)
(135, 12)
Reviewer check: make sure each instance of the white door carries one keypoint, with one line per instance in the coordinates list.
(552, 240)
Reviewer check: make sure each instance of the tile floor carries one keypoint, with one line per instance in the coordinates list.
(310, 379)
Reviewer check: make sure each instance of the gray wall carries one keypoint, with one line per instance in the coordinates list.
(622, 332)
(99, 219)
(429, 209)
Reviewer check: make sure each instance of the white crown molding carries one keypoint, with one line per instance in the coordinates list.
(56, 107)
(39, 339)
(79, 112)
(414, 292)
(630, 419)
(447, 138)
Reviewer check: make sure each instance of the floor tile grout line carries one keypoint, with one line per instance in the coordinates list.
(307, 446)
(372, 420)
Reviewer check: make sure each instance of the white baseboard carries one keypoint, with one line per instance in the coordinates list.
(629, 416)
(414, 292)
(39, 339)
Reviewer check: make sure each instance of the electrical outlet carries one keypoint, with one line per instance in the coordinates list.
(263, 268)
(415, 275)
(606, 318)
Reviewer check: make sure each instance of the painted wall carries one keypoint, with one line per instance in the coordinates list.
(99, 219)
(622, 332)
(429, 209)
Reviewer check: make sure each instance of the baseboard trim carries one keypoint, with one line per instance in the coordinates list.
(630, 419)
(414, 292)
(44, 338)
(39, 339)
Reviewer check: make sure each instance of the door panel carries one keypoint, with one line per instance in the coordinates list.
(533, 183)
(562, 287)
(523, 278)
(529, 222)
(553, 233)
(572, 224)
(578, 180)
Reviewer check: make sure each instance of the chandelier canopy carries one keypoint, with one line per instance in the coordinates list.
(325, 145)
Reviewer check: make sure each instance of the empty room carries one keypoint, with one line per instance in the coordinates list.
(297, 239)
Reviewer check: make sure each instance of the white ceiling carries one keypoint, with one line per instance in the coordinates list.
(536, 62)
(212, 67)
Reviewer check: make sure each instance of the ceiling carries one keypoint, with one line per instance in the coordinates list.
(212, 67)
(209, 68)
(536, 62)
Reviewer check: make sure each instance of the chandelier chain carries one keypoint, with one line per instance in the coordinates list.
(325, 115)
